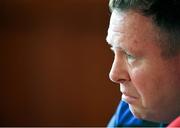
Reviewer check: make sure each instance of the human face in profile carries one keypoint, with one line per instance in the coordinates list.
(149, 82)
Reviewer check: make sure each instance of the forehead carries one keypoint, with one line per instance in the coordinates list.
(130, 27)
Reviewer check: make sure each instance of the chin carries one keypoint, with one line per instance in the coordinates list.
(136, 112)
(142, 113)
(145, 114)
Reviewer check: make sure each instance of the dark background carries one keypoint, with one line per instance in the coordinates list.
(54, 63)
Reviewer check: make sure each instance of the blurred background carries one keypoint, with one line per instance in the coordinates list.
(54, 63)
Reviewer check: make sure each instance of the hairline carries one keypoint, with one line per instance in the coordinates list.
(163, 34)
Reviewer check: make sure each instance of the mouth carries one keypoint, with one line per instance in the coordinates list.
(128, 98)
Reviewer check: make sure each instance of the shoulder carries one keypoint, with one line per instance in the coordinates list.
(124, 118)
(175, 123)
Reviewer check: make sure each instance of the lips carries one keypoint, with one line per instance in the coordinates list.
(128, 98)
(129, 94)
(126, 94)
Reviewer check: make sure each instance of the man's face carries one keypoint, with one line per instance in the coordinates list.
(149, 83)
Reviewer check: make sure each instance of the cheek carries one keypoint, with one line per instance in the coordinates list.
(138, 78)
(144, 83)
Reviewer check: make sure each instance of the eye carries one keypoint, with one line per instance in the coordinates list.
(130, 58)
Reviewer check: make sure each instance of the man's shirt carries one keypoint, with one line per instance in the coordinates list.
(124, 118)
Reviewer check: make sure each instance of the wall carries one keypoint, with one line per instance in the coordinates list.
(54, 63)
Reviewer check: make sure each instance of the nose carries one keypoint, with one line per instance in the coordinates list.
(119, 72)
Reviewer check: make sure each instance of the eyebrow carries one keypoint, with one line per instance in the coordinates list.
(112, 44)
(108, 41)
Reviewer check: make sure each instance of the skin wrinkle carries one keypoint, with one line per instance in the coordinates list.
(150, 77)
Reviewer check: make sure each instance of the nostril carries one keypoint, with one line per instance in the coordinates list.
(121, 81)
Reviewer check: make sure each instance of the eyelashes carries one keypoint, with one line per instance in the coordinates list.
(129, 57)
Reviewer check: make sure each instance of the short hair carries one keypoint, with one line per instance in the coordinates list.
(165, 15)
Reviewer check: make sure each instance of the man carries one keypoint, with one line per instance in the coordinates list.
(145, 38)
